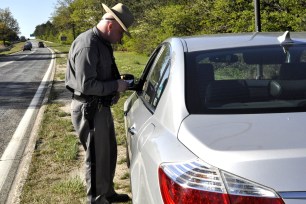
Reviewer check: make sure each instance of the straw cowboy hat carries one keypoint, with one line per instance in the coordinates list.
(122, 15)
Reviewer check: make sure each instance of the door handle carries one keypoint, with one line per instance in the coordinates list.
(132, 130)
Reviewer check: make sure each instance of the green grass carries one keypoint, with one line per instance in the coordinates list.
(60, 50)
(70, 187)
(56, 157)
(125, 176)
(130, 63)
(122, 161)
(16, 48)
(56, 154)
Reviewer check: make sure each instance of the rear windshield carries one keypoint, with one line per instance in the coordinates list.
(246, 80)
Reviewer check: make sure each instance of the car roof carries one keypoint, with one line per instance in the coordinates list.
(230, 40)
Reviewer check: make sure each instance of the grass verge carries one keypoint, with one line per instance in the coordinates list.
(15, 48)
(54, 174)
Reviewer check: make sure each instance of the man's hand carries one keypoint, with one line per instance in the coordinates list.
(116, 98)
(122, 85)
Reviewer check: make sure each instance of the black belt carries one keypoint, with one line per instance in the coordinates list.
(105, 101)
(83, 98)
(78, 98)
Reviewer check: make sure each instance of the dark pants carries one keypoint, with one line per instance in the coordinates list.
(101, 150)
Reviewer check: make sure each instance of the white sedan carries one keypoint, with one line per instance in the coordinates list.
(220, 119)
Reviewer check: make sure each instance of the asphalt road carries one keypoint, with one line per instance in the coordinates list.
(24, 77)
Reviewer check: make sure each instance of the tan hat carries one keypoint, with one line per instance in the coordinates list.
(122, 15)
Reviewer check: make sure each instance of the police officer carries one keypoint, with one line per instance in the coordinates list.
(94, 80)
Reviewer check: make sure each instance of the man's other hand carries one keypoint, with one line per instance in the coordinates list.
(122, 85)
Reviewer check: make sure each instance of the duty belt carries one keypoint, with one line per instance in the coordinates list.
(105, 101)
(83, 98)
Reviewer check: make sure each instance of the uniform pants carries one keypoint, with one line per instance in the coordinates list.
(101, 151)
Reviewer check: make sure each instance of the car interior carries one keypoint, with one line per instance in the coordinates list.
(248, 79)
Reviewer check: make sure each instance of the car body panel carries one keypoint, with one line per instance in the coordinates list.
(223, 41)
(294, 201)
(273, 142)
(160, 146)
(172, 110)
(136, 124)
(147, 128)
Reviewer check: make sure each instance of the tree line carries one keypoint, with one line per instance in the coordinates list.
(157, 20)
(9, 28)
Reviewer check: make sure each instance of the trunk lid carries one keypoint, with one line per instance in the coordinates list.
(266, 148)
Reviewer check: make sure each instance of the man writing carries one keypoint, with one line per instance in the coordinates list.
(94, 79)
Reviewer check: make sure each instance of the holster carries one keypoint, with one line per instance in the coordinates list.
(90, 108)
(91, 103)
(106, 101)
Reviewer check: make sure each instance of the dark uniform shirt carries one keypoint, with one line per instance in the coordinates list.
(90, 65)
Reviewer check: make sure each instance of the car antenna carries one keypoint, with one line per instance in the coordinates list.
(286, 43)
(285, 38)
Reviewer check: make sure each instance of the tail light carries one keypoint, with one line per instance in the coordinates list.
(198, 182)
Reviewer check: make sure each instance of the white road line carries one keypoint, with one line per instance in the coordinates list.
(10, 152)
(6, 63)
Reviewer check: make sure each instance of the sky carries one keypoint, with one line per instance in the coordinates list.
(29, 13)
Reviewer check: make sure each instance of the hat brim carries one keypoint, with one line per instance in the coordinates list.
(108, 10)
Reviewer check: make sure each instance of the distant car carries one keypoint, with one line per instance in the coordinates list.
(41, 44)
(22, 39)
(220, 119)
(27, 46)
